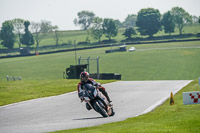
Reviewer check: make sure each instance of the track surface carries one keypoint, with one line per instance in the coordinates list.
(130, 99)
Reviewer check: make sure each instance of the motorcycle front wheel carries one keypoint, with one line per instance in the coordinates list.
(99, 108)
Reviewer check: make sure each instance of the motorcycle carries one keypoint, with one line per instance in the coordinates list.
(97, 101)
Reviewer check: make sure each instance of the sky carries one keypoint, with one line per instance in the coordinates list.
(63, 12)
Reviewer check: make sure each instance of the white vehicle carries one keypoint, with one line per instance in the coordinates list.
(131, 49)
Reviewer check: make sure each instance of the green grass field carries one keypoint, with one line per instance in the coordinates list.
(177, 60)
(166, 118)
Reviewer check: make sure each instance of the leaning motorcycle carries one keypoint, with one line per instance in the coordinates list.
(97, 101)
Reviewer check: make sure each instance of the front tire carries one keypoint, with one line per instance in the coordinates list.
(97, 106)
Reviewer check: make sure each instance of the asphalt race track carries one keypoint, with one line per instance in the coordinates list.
(130, 99)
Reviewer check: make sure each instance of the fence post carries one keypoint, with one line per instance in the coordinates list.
(88, 64)
(79, 60)
(88, 61)
(98, 67)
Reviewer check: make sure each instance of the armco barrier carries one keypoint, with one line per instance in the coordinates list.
(106, 76)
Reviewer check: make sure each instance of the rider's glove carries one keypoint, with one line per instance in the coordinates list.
(97, 85)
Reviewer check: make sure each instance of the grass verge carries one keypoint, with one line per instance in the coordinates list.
(17, 91)
(177, 118)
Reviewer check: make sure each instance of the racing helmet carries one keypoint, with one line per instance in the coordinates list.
(84, 77)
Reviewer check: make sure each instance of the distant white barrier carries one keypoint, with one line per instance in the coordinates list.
(191, 97)
(13, 78)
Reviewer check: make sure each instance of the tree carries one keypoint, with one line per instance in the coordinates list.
(130, 21)
(148, 21)
(118, 23)
(0, 34)
(27, 38)
(195, 19)
(40, 30)
(97, 29)
(199, 20)
(129, 32)
(181, 17)
(56, 37)
(109, 28)
(18, 28)
(7, 34)
(168, 22)
(85, 19)
(36, 30)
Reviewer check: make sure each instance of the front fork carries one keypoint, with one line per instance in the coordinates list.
(90, 104)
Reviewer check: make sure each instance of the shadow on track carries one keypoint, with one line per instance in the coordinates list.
(89, 118)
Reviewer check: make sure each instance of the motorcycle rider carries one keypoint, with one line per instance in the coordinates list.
(85, 79)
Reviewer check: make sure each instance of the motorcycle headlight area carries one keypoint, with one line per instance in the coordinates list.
(87, 98)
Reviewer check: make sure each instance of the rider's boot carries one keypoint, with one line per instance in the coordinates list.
(106, 95)
(88, 106)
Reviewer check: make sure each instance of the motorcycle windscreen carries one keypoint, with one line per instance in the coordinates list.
(89, 88)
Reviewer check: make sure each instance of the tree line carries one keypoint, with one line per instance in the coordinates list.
(148, 21)
(24, 32)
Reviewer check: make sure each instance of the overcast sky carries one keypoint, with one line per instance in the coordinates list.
(63, 12)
